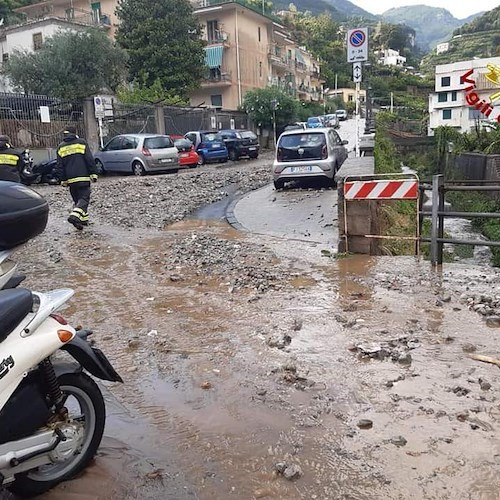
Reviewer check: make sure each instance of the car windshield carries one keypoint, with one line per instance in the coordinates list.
(247, 134)
(313, 120)
(302, 147)
(211, 137)
(161, 142)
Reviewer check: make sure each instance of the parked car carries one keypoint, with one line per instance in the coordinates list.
(188, 157)
(341, 114)
(209, 145)
(315, 122)
(138, 154)
(302, 154)
(240, 142)
(295, 126)
(331, 120)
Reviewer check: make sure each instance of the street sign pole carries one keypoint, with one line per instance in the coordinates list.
(357, 119)
(357, 52)
(99, 121)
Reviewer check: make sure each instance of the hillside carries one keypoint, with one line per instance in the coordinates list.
(340, 10)
(431, 24)
(479, 38)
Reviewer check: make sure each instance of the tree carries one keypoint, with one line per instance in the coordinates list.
(260, 104)
(70, 65)
(163, 40)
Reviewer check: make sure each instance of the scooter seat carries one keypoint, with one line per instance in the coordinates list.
(14, 306)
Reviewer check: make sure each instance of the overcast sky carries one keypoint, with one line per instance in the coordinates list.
(459, 8)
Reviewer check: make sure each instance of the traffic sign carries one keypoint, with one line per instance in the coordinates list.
(357, 45)
(99, 107)
(356, 72)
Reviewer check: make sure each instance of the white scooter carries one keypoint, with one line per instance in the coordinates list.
(52, 414)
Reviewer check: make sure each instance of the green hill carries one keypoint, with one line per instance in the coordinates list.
(479, 38)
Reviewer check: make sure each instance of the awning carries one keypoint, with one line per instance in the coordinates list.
(299, 56)
(213, 56)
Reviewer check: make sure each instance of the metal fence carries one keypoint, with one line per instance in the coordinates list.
(35, 121)
(438, 213)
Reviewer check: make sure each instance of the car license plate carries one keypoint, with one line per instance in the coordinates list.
(165, 160)
(184, 155)
(215, 146)
(251, 149)
(300, 170)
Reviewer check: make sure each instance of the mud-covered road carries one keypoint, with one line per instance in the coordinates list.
(258, 367)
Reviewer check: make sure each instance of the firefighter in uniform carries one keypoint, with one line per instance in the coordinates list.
(11, 161)
(76, 169)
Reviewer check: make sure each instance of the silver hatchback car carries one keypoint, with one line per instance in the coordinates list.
(138, 154)
(308, 154)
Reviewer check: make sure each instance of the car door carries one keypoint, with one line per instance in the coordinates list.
(193, 137)
(108, 154)
(340, 149)
(126, 154)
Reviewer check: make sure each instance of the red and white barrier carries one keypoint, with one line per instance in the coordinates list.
(406, 189)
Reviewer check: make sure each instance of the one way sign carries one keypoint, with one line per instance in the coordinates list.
(356, 72)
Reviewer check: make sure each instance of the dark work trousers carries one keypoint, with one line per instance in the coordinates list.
(80, 192)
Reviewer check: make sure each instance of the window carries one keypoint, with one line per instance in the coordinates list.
(212, 30)
(215, 74)
(216, 100)
(260, 35)
(446, 114)
(350, 98)
(445, 81)
(5, 57)
(161, 142)
(260, 69)
(37, 41)
(475, 114)
(191, 137)
(454, 95)
(96, 11)
(442, 96)
(113, 144)
(130, 143)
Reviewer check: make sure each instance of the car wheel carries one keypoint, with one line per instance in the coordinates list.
(224, 160)
(138, 169)
(99, 167)
(254, 157)
(194, 165)
(279, 184)
(201, 159)
(233, 155)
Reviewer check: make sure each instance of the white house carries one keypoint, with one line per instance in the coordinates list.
(391, 57)
(29, 36)
(452, 102)
(442, 47)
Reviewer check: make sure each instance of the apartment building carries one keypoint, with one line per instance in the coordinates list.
(86, 12)
(247, 50)
(448, 103)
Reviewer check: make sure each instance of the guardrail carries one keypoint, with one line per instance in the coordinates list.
(438, 213)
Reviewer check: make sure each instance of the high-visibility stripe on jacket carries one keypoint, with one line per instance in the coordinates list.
(6, 159)
(72, 149)
(75, 162)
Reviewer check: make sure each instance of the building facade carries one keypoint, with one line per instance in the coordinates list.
(248, 50)
(448, 103)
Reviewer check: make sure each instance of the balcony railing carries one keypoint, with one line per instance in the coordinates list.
(219, 78)
(219, 37)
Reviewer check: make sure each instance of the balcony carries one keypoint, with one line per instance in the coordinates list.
(218, 38)
(277, 58)
(217, 78)
(300, 67)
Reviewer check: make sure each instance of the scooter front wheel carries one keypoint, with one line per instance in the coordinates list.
(85, 404)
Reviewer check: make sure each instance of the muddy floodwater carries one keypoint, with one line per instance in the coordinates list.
(260, 368)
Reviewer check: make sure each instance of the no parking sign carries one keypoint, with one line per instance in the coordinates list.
(357, 45)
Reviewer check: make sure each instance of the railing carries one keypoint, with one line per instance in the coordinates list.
(200, 4)
(438, 213)
(222, 77)
(218, 37)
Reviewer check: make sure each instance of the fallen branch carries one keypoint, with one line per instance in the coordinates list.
(485, 359)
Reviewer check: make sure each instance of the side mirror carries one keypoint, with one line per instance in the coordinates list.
(344, 143)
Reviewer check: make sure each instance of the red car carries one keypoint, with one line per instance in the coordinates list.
(188, 157)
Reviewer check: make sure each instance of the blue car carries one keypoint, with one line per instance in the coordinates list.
(315, 122)
(209, 145)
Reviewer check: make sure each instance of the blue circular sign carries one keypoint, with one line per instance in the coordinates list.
(357, 38)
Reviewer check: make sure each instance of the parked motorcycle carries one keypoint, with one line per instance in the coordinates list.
(39, 173)
(52, 414)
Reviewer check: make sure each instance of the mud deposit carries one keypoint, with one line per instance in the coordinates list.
(251, 374)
